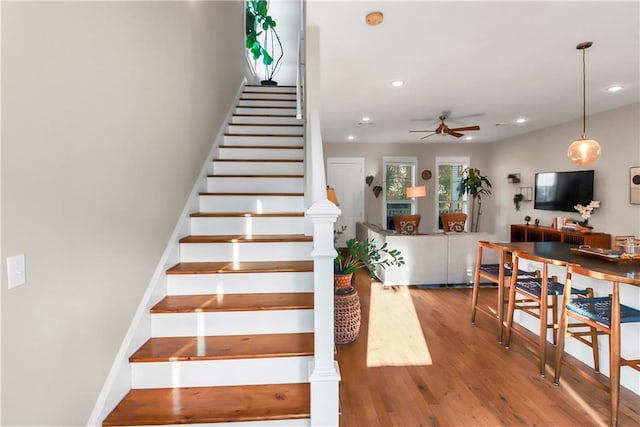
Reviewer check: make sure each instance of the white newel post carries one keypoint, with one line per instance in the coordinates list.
(324, 374)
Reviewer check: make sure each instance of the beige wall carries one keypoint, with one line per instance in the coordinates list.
(426, 154)
(108, 111)
(618, 132)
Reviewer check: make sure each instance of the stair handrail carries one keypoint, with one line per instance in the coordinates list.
(321, 216)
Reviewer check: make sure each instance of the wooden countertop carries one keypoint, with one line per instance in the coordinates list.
(562, 251)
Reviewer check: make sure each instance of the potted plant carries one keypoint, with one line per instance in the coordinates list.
(359, 255)
(262, 39)
(513, 178)
(517, 198)
(476, 185)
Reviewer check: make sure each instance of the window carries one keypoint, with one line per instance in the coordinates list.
(448, 176)
(398, 174)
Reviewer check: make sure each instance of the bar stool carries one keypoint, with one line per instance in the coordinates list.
(605, 314)
(536, 292)
(499, 274)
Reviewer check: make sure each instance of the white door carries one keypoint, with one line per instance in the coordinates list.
(346, 175)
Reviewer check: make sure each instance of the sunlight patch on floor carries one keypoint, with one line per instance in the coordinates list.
(395, 336)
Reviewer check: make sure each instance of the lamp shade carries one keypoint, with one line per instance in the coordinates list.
(331, 195)
(417, 191)
(584, 151)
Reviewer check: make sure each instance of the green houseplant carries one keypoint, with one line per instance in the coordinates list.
(262, 39)
(517, 198)
(476, 185)
(361, 254)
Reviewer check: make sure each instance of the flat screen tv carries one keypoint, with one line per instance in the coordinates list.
(561, 191)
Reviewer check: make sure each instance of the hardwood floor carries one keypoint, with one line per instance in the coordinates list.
(473, 380)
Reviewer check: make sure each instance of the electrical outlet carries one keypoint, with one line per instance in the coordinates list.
(16, 271)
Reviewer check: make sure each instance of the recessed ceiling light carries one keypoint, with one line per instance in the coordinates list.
(397, 83)
(468, 138)
(614, 88)
(366, 119)
(351, 137)
(521, 120)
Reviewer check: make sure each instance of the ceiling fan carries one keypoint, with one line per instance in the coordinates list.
(443, 129)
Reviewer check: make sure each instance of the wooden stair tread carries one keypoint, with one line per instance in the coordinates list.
(270, 92)
(290, 125)
(256, 238)
(245, 214)
(274, 147)
(266, 135)
(291, 116)
(266, 106)
(260, 160)
(252, 194)
(212, 404)
(226, 175)
(241, 267)
(224, 347)
(233, 302)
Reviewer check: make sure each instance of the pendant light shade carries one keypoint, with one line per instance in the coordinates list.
(584, 151)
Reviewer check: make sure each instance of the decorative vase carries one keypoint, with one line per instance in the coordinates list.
(342, 281)
(269, 82)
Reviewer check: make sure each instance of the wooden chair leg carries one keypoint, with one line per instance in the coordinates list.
(614, 355)
(594, 339)
(476, 286)
(562, 332)
(554, 318)
(542, 338)
(510, 310)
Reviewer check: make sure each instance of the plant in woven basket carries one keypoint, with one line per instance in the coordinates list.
(365, 254)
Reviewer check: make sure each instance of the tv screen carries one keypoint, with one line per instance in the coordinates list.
(561, 191)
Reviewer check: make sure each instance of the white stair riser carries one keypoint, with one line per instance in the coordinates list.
(247, 225)
(261, 153)
(269, 130)
(243, 252)
(261, 168)
(266, 110)
(231, 323)
(255, 204)
(270, 89)
(254, 185)
(250, 93)
(203, 373)
(255, 101)
(262, 140)
(265, 120)
(239, 283)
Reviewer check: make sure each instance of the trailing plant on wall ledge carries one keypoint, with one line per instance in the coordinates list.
(517, 198)
(262, 39)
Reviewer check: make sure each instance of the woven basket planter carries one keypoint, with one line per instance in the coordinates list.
(342, 281)
(347, 316)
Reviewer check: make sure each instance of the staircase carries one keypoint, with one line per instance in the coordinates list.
(233, 338)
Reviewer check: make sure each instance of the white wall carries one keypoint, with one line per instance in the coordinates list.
(617, 131)
(108, 112)
(426, 153)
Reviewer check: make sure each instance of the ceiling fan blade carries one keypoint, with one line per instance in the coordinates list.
(465, 128)
(422, 131)
(424, 137)
(454, 133)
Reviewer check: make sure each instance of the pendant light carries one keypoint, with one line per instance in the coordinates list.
(584, 151)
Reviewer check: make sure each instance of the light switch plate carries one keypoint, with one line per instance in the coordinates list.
(16, 271)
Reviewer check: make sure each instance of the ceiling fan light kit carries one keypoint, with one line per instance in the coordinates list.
(443, 129)
(584, 151)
